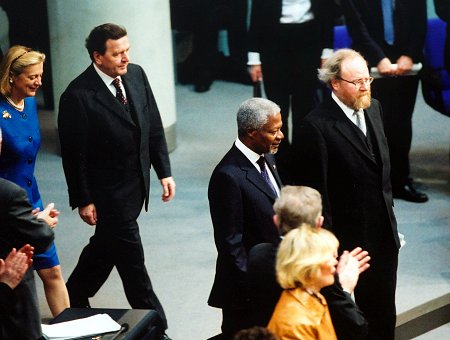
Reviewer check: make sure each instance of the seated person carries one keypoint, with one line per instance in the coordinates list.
(297, 205)
(306, 263)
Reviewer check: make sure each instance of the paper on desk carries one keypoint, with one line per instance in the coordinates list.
(414, 70)
(93, 325)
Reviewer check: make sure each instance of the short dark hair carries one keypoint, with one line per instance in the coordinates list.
(255, 333)
(96, 41)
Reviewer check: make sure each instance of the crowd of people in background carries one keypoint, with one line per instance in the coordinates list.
(296, 210)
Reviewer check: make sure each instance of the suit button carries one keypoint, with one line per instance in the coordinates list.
(30, 139)
(29, 183)
(29, 161)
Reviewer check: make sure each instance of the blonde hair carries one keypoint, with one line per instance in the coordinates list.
(332, 68)
(301, 253)
(14, 63)
(297, 205)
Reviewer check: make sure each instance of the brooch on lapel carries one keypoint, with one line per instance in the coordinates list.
(6, 115)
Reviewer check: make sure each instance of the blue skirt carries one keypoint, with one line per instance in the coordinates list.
(48, 259)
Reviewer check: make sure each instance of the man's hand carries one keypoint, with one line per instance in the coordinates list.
(255, 73)
(13, 268)
(168, 187)
(385, 67)
(404, 65)
(49, 215)
(88, 214)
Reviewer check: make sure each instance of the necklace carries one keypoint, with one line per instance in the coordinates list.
(14, 105)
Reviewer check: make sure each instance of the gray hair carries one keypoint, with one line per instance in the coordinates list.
(332, 67)
(254, 113)
(297, 205)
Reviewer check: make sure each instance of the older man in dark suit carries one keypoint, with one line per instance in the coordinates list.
(242, 190)
(391, 35)
(345, 149)
(111, 134)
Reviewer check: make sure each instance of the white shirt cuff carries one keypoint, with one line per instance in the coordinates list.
(253, 58)
(326, 53)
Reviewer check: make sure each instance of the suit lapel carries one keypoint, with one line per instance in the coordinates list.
(344, 126)
(134, 95)
(104, 96)
(253, 175)
(273, 168)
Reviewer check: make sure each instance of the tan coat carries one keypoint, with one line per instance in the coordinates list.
(299, 315)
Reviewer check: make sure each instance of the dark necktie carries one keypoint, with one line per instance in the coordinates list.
(119, 94)
(262, 165)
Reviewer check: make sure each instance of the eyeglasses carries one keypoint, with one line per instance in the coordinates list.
(358, 82)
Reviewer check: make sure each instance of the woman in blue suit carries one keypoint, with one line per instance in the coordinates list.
(20, 77)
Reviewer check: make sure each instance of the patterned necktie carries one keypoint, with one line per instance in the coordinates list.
(119, 94)
(360, 122)
(388, 20)
(262, 165)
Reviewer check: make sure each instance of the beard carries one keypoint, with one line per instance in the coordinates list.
(362, 101)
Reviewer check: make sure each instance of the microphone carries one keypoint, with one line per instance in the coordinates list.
(123, 328)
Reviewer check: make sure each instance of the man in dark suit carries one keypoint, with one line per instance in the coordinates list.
(347, 156)
(111, 134)
(287, 40)
(20, 317)
(242, 190)
(299, 205)
(391, 37)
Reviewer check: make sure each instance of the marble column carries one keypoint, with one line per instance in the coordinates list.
(149, 31)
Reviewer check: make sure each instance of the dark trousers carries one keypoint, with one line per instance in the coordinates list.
(375, 294)
(290, 57)
(397, 96)
(114, 245)
(234, 318)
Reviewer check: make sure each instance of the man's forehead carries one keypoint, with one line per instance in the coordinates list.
(354, 66)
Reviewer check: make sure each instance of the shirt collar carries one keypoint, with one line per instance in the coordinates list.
(250, 154)
(106, 78)
(347, 110)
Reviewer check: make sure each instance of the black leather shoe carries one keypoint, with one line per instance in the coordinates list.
(203, 86)
(409, 193)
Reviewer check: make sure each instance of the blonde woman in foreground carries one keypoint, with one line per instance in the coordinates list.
(306, 262)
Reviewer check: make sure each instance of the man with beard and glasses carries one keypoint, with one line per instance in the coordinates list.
(241, 193)
(346, 158)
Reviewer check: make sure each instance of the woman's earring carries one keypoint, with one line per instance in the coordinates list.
(10, 80)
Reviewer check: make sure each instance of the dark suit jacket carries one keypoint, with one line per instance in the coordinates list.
(264, 292)
(106, 155)
(364, 20)
(21, 319)
(240, 203)
(354, 183)
(266, 15)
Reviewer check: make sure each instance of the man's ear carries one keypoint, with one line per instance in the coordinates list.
(319, 222)
(97, 57)
(335, 84)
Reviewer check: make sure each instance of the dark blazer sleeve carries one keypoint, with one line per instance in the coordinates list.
(73, 127)
(159, 155)
(20, 226)
(361, 28)
(226, 207)
(348, 320)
